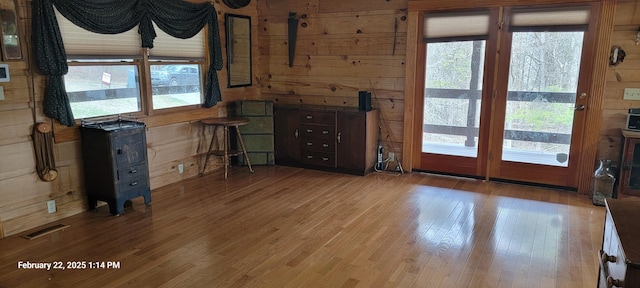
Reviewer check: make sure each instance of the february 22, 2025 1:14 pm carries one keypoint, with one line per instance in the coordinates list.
(75, 265)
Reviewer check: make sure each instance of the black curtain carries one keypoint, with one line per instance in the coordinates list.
(175, 17)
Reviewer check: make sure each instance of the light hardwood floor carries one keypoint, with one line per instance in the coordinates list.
(289, 227)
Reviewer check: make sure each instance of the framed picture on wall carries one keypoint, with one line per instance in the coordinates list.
(10, 37)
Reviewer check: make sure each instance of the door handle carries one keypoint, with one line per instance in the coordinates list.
(579, 107)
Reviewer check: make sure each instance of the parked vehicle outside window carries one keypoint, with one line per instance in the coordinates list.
(175, 75)
(175, 85)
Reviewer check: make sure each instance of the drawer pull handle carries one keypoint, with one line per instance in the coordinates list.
(325, 159)
(309, 143)
(119, 151)
(309, 157)
(614, 282)
(608, 258)
(309, 117)
(309, 130)
(611, 282)
(133, 171)
(133, 184)
(325, 145)
(297, 133)
(339, 137)
(325, 132)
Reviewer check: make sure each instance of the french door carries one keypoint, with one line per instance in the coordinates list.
(508, 104)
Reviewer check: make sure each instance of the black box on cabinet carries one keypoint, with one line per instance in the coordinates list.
(364, 101)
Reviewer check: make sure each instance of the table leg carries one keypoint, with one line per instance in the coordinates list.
(206, 160)
(244, 150)
(226, 152)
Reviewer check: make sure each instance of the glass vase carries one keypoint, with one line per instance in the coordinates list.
(603, 183)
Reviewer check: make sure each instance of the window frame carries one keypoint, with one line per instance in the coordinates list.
(144, 79)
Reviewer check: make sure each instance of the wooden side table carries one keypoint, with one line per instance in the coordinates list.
(225, 152)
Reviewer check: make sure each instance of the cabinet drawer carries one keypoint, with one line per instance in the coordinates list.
(318, 117)
(318, 145)
(320, 132)
(318, 158)
(139, 182)
(132, 172)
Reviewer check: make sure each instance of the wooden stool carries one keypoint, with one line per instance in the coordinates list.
(225, 123)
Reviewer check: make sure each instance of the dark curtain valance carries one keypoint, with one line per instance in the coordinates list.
(175, 17)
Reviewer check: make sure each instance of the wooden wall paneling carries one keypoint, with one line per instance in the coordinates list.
(336, 86)
(369, 66)
(16, 160)
(14, 91)
(175, 150)
(183, 143)
(15, 126)
(332, 6)
(23, 190)
(167, 173)
(615, 120)
(371, 22)
(36, 215)
(627, 13)
(68, 153)
(610, 147)
(337, 44)
(625, 73)
(277, 7)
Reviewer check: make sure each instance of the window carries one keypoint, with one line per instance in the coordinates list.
(175, 85)
(98, 90)
(456, 44)
(109, 75)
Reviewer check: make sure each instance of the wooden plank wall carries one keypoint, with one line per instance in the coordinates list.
(624, 75)
(172, 138)
(342, 47)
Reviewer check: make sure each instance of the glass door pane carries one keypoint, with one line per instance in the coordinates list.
(453, 92)
(543, 83)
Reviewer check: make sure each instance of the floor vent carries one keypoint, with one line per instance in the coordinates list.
(45, 231)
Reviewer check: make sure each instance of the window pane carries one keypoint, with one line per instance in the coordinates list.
(175, 85)
(453, 93)
(103, 90)
(543, 83)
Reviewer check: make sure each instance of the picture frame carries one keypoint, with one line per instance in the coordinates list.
(10, 40)
(239, 63)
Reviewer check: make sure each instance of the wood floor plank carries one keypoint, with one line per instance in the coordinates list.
(291, 227)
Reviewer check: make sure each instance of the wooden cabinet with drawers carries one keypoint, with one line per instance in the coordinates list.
(629, 182)
(115, 163)
(338, 139)
(620, 253)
